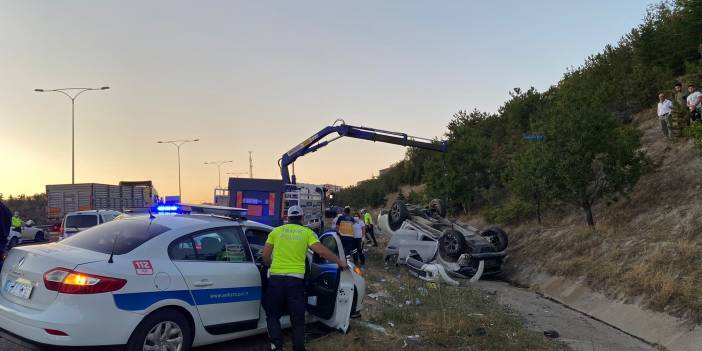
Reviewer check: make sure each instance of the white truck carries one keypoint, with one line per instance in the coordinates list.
(65, 198)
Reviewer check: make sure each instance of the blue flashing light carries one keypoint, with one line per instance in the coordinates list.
(166, 208)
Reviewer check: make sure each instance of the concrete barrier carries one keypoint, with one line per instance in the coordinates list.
(659, 328)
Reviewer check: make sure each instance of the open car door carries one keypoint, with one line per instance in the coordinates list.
(330, 291)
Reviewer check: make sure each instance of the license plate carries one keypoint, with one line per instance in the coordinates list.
(21, 289)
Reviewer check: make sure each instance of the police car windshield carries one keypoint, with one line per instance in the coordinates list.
(129, 234)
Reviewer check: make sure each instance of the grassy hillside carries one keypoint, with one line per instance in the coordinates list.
(647, 245)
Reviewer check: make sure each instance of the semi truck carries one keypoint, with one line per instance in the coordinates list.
(65, 198)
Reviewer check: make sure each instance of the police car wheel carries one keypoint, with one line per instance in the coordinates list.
(162, 330)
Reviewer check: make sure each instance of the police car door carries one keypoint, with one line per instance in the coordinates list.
(222, 277)
(330, 292)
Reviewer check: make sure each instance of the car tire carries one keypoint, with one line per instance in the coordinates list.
(398, 214)
(452, 244)
(13, 242)
(438, 206)
(165, 320)
(39, 237)
(497, 237)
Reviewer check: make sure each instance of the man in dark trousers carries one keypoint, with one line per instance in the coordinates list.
(5, 219)
(285, 252)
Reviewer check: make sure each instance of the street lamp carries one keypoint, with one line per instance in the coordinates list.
(76, 92)
(178, 144)
(219, 170)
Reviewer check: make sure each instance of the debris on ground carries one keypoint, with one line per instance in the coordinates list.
(552, 334)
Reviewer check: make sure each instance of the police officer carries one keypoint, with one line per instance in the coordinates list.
(17, 223)
(368, 220)
(285, 252)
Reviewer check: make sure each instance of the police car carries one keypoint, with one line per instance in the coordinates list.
(159, 282)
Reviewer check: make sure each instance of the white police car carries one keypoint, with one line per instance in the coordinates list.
(164, 282)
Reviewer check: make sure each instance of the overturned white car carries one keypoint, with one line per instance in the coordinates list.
(434, 247)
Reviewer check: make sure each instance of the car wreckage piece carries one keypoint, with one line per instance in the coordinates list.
(428, 243)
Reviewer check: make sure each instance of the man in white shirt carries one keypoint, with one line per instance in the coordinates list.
(665, 107)
(359, 228)
(694, 101)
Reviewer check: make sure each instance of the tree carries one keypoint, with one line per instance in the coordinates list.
(530, 175)
(592, 154)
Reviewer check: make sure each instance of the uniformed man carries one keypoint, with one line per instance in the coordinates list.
(17, 222)
(285, 252)
(344, 226)
(368, 220)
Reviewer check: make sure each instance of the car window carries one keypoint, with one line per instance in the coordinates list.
(182, 249)
(106, 217)
(217, 245)
(123, 235)
(330, 243)
(257, 239)
(81, 221)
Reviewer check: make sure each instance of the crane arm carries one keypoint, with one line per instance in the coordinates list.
(315, 142)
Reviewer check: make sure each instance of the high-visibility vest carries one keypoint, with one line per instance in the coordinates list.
(368, 218)
(16, 221)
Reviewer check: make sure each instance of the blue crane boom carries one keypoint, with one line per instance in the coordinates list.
(315, 142)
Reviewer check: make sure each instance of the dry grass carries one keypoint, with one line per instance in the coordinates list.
(424, 316)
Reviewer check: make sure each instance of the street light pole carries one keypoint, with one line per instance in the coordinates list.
(178, 144)
(66, 91)
(219, 170)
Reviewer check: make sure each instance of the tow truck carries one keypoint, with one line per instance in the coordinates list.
(299, 196)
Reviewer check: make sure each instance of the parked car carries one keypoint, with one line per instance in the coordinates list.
(158, 282)
(29, 232)
(76, 222)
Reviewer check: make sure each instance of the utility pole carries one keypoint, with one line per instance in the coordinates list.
(219, 170)
(250, 165)
(178, 144)
(73, 97)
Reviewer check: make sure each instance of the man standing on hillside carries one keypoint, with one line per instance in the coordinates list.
(665, 107)
(694, 101)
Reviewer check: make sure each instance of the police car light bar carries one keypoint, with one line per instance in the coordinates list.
(231, 212)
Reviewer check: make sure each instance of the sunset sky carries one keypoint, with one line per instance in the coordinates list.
(263, 76)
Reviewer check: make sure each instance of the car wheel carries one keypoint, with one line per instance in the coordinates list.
(438, 206)
(452, 244)
(12, 243)
(162, 330)
(39, 237)
(398, 214)
(497, 237)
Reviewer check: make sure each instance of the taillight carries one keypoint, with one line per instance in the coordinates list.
(67, 281)
(61, 232)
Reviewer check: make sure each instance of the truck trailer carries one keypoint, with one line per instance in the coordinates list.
(65, 198)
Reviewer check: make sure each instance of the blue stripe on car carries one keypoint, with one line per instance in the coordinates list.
(142, 301)
(215, 296)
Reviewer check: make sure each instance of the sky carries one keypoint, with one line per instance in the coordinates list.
(264, 76)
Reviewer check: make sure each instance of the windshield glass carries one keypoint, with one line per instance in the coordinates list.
(129, 233)
(81, 221)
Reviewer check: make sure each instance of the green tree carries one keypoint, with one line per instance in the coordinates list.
(530, 175)
(592, 154)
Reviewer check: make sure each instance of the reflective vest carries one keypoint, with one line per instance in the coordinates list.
(368, 218)
(16, 222)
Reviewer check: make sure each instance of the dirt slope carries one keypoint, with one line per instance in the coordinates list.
(647, 247)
